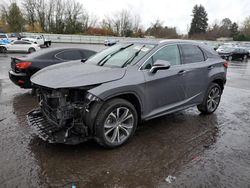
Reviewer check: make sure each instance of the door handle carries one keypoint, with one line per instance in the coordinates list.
(181, 72)
(210, 67)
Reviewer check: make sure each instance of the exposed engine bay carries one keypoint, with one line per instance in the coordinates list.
(63, 115)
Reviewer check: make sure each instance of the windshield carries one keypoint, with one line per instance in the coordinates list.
(3, 36)
(121, 55)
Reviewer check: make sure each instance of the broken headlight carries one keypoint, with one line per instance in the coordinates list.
(90, 97)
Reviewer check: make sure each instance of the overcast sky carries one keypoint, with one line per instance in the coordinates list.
(173, 13)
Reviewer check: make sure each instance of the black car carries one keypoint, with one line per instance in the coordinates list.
(24, 67)
(232, 53)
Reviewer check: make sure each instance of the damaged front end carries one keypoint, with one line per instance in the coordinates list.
(64, 115)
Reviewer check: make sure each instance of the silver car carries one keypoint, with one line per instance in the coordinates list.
(108, 95)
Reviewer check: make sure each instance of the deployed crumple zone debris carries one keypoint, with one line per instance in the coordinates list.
(170, 179)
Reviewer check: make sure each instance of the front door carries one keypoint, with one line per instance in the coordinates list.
(164, 89)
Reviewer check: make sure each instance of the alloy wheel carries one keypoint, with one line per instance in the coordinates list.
(213, 99)
(118, 125)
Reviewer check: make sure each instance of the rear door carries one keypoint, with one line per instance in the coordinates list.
(194, 73)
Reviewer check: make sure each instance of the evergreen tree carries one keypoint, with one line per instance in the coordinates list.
(14, 18)
(234, 30)
(199, 22)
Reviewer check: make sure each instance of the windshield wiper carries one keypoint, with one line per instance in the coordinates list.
(107, 57)
(133, 57)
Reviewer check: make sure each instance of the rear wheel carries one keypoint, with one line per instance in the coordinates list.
(31, 50)
(3, 49)
(211, 100)
(116, 123)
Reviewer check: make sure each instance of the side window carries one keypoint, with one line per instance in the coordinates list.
(21, 42)
(17, 42)
(168, 53)
(69, 55)
(191, 53)
(27, 43)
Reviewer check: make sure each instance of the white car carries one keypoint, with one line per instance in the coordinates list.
(20, 46)
(41, 40)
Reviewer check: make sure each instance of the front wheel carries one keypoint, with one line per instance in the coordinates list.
(116, 123)
(211, 100)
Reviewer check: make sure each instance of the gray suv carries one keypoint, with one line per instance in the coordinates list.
(105, 97)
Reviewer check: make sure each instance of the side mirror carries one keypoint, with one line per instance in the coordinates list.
(159, 65)
(83, 60)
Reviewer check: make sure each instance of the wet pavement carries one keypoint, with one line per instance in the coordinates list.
(200, 151)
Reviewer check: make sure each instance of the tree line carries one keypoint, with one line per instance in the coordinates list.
(70, 17)
(225, 28)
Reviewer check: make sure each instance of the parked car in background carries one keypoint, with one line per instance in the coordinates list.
(41, 40)
(213, 45)
(105, 97)
(246, 46)
(4, 39)
(110, 42)
(20, 46)
(3, 36)
(24, 67)
(233, 53)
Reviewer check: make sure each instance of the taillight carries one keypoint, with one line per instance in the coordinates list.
(226, 64)
(23, 65)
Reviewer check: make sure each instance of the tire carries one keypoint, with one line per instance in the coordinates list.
(116, 123)
(3, 50)
(31, 50)
(211, 99)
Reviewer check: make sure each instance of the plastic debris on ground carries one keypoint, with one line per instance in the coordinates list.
(170, 179)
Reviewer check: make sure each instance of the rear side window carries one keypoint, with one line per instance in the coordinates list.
(18, 42)
(69, 55)
(191, 53)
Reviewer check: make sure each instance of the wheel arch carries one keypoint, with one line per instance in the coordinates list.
(131, 97)
(220, 81)
(90, 118)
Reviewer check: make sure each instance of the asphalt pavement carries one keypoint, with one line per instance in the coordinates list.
(184, 149)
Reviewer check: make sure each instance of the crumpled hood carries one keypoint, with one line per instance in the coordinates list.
(75, 74)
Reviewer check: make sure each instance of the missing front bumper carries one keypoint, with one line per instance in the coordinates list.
(52, 133)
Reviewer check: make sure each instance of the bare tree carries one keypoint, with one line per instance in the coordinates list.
(246, 27)
(73, 12)
(30, 13)
(136, 23)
